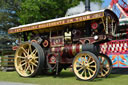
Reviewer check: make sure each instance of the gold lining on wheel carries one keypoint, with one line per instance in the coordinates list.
(84, 66)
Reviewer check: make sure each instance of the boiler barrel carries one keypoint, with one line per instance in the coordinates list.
(76, 48)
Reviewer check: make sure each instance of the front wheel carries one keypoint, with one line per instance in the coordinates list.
(86, 65)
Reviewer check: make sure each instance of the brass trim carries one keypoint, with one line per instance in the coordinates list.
(57, 23)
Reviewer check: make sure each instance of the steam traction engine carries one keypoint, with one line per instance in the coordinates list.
(52, 45)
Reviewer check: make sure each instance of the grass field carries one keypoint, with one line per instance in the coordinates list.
(65, 78)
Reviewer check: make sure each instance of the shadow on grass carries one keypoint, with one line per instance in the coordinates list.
(68, 74)
(64, 74)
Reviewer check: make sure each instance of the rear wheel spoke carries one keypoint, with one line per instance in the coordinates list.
(23, 64)
(24, 50)
(33, 64)
(27, 68)
(34, 52)
(36, 61)
(22, 61)
(30, 48)
(21, 57)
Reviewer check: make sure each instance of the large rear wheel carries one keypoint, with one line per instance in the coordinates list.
(86, 66)
(29, 59)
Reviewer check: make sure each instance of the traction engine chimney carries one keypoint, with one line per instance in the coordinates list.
(87, 5)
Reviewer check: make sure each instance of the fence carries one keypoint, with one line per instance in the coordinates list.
(7, 60)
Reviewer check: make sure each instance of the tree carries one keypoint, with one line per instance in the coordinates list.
(39, 10)
(8, 16)
(8, 19)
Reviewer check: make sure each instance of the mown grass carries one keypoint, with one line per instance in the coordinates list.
(65, 78)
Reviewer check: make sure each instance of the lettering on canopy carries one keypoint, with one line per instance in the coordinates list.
(57, 23)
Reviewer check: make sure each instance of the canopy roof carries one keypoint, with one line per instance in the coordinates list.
(60, 21)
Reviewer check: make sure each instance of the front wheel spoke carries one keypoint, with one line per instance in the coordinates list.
(82, 59)
(89, 58)
(78, 66)
(80, 69)
(80, 62)
(85, 58)
(85, 74)
(90, 70)
(91, 62)
(82, 72)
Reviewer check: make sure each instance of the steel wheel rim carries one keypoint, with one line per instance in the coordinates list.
(26, 60)
(104, 66)
(84, 66)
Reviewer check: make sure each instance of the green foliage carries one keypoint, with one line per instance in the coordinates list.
(8, 16)
(15, 12)
(39, 10)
